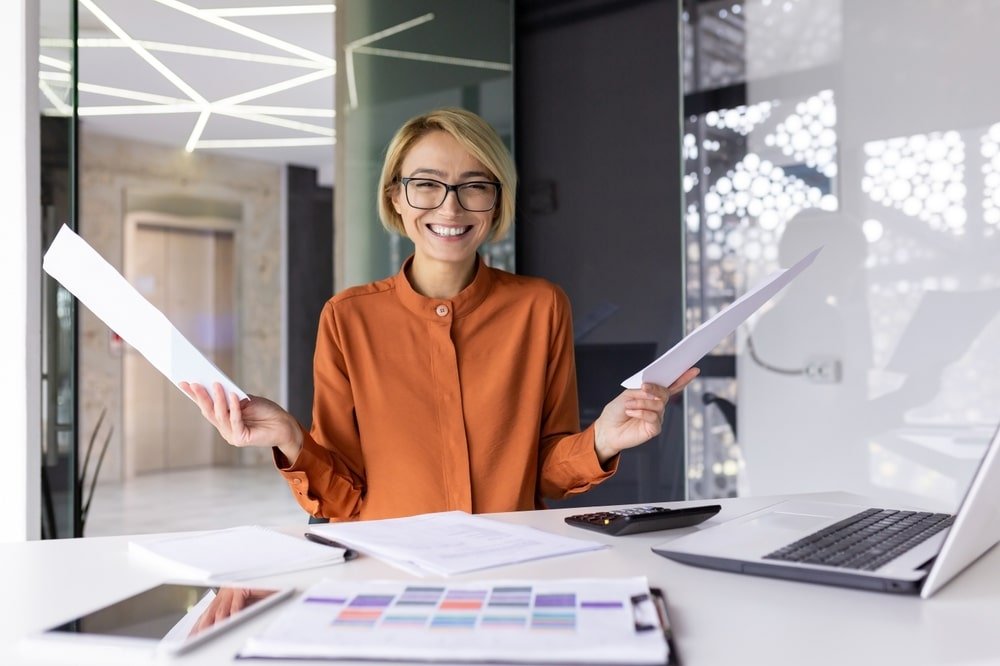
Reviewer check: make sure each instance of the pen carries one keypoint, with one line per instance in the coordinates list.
(349, 553)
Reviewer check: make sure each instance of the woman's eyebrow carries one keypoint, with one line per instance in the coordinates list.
(441, 174)
(433, 172)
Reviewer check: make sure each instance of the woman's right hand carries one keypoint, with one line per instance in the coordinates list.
(253, 422)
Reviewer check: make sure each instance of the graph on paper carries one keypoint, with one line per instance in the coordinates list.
(588, 620)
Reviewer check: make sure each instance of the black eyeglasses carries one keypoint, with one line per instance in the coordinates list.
(427, 194)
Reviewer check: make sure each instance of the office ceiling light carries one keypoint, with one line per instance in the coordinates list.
(430, 57)
(349, 49)
(142, 52)
(323, 67)
(264, 143)
(54, 62)
(203, 51)
(285, 10)
(247, 32)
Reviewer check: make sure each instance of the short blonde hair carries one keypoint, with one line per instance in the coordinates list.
(476, 136)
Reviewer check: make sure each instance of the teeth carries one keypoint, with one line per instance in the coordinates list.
(448, 231)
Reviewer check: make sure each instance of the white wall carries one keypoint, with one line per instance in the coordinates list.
(20, 259)
(907, 293)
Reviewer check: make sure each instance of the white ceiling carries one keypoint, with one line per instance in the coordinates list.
(200, 75)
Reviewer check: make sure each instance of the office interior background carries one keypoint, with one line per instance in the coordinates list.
(223, 155)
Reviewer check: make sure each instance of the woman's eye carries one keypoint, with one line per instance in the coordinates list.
(476, 187)
(426, 184)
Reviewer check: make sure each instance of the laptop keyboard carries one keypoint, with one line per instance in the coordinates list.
(866, 540)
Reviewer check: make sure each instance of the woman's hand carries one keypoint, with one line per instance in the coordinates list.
(253, 422)
(634, 417)
(228, 601)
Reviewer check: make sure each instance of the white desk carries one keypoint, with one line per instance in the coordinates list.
(720, 619)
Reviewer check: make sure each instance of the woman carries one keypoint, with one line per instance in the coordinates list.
(450, 385)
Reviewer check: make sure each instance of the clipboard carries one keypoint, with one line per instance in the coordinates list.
(660, 602)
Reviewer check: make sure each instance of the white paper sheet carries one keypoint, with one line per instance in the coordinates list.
(237, 553)
(451, 542)
(581, 621)
(666, 369)
(85, 273)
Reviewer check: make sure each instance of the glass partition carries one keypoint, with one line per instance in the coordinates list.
(865, 128)
(61, 472)
(396, 60)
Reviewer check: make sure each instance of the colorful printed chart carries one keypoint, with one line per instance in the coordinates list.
(586, 621)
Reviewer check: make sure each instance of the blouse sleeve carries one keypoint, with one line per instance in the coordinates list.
(328, 477)
(568, 462)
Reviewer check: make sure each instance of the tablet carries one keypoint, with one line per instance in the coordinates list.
(168, 618)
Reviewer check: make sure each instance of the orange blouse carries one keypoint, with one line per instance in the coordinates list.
(426, 404)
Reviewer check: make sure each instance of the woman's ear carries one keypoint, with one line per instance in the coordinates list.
(396, 193)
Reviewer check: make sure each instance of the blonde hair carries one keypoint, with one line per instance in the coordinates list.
(475, 135)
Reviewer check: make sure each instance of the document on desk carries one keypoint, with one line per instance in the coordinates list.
(451, 542)
(686, 353)
(85, 273)
(237, 553)
(581, 621)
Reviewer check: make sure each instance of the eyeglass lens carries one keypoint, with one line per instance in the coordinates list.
(473, 197)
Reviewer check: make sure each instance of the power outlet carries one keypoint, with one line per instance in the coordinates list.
(823, 370)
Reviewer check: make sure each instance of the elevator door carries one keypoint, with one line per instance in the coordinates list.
(189, 275)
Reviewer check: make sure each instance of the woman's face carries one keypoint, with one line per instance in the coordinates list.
(448, 233)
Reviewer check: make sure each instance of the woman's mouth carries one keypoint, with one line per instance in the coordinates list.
(448, 232)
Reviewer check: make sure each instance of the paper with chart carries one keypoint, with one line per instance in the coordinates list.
(451, 542)
(686, 353)
(584, 621)
(85, 273)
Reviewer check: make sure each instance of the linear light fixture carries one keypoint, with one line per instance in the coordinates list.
(264, 143)
(246, 32)
(271, 11)
(61, 107)
(140, 110)
(352, 86)
(122, 93)
(430, 57)
(234, 112)
(232, 106)
(142, 52)
(276, 87)
(199, 127)
(55, 62)
(204, 51)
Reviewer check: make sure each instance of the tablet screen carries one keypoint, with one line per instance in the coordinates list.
(173, 615)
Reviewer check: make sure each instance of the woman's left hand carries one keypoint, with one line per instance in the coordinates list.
(635, 416)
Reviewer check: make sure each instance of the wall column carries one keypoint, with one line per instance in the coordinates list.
(20, 273)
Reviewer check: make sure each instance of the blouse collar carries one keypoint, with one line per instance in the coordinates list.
(459, 305)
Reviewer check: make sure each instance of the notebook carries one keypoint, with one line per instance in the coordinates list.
(910, 552)
(237, 553)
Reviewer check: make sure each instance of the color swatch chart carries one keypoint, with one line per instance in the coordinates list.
(476, 619)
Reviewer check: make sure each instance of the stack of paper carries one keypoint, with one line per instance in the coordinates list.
(589, 621)
(234, 554)
(451, 542)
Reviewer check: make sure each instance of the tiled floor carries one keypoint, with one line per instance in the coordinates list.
(208, 498)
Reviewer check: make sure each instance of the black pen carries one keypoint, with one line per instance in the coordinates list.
(349, 553)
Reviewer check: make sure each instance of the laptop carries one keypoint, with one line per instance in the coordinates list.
(907, 552)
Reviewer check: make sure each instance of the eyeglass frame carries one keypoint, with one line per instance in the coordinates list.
(451, 188)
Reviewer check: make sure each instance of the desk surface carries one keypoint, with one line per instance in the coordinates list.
(720, 618)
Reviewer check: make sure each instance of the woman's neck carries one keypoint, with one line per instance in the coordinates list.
(439, 279)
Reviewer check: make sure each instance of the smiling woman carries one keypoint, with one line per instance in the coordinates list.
(450, 385)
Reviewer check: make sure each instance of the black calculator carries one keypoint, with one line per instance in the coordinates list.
(642, 519)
